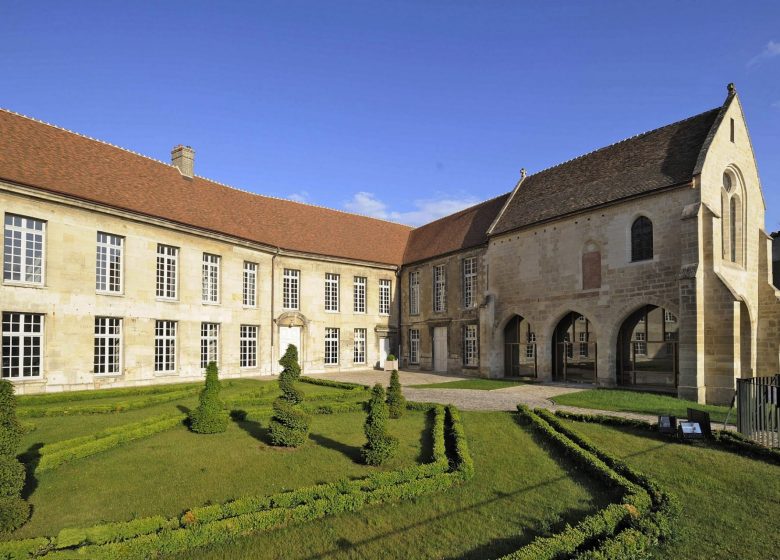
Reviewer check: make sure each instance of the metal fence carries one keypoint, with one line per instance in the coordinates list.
(758, 414)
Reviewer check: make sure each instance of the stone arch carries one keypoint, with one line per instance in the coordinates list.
(520, 349)
(574, 348)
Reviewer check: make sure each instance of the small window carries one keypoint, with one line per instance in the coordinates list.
(22, 345)
(414, 293)
(167, 261)
(108, 346)
(470, 346)
(384, 297)
(414, 346)
(210, 278)
(640, 344)
(250, 284)
(331, 292)
(24, 247)
(732, 130)
(727, 183)
(248, 346)
(359, 353)
(360, 294)
(331, 346)
(439, 289)
(530, 348)
(642, 239)
(165, 346)
(469, 282)
(290, 287)
(209, 344)
(108, 263)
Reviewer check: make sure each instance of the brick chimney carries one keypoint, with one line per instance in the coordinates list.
(183, 157)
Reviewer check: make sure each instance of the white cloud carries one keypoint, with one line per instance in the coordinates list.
(771, 50)
(423, 210)
(302, 196)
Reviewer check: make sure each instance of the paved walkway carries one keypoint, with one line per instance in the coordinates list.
(532, 394)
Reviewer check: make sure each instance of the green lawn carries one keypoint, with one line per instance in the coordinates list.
(644, 403)
(731, 504)
(519, 491)
(479, 384)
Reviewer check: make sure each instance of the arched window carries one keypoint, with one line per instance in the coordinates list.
(733, 228)
(642, 239)
(731, 218)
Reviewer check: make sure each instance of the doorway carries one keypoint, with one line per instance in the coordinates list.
(287, 336)
(440, 349)
(574, 350)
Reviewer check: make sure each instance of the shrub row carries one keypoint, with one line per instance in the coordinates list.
(607, 420)
(93, 394)
(122, 406)
(58, 453)
(23, 549)
(335, 384)
(214, 524)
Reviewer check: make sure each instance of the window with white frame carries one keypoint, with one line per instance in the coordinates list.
(331, 292)
(669, 316)
(331, 346)
(209, 344)
(165, 346)
(439, 289)
(670, 337)
(360, 294)
(210, 278)
(384, 297)
(248, 346)
(108, 346)
(290, 288)
(108, 263)
(414, 292)
(359, 354)
(470, 346)
(250, 284)
(23, 255)
(640, 344)
(167, 265)
(22, 345)
(469, 282)
(583, 344)
(530, 348)
(414, 346)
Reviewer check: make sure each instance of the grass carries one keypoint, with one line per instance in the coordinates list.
(731, 504)
(478, 384)
(519, 491)
(643, 403)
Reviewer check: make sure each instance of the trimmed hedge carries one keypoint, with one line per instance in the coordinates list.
(607, 420)
(380, 445)
(289, 426)
(131, 404)
(58, 453)
(210, 417)
(14, 511)
(334, 384)
(396, 403)
(214, 524)
(94, 394)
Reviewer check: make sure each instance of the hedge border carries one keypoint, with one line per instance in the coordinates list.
(330, 383)
(46, 411)
(96, 394)
(148, 537)
(641, 519)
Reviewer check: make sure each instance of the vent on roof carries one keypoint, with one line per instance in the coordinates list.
(183, 157)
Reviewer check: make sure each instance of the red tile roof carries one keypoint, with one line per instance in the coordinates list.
(43, 156)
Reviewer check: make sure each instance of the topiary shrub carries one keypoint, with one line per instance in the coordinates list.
(210, 417)
(14, 511)
(380, 445)
(289, 426)
(396, 403)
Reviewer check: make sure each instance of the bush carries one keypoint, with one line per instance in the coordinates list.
(396, 403)
(289, 426)
(330, 383)
(210, 417)
(14, 511)
(380, 445)
(391, 357)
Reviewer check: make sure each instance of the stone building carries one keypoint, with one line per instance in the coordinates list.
(776, 257)
(642, 264)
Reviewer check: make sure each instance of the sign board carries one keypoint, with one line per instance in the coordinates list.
(667, 424)
(690, 430)
(703, 419)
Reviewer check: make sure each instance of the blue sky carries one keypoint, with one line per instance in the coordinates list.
(402, 110)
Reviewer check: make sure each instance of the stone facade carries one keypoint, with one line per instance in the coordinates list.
(776, 258)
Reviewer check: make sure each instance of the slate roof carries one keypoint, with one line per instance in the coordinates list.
(639, 165)
(36, 154)
(462, 230)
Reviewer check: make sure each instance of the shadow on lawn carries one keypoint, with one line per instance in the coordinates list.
(349, 451)
(426, 440)
(251, 427)
(30, 459)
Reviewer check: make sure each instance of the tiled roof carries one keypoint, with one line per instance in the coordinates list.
(50, 158)
(660, 158)
(462, 230)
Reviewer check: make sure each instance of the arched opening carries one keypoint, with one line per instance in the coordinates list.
(642, 239)
(574, 350)
(745, 342)
(647, 350)
(519, 348)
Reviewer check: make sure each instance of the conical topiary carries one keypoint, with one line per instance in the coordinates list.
(14, 511)
(210, 417)
(396, 403)
(380, 445)
(289, 426)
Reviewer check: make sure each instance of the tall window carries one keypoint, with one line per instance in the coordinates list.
(165, 346)
(530, 348)
(359, 354)
(414, 292)
(642, 239)
(209, 344)
(439, 289)
(331, 346)
(23, 250)
(583, 344)
(414, 346)
(640, 344)
(469, 282)
(331, 292)
(470, 347)
(210, 278)
(733, 227)
(360, 294)
(248, 346)
(384, 297)
(167, 261)
(108, 345)
(108, 264)
(290, 288)
(22, 345)
(250, 284)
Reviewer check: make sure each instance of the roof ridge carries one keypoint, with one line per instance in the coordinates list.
(139, 154)
(462, 210)
(634, 137)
